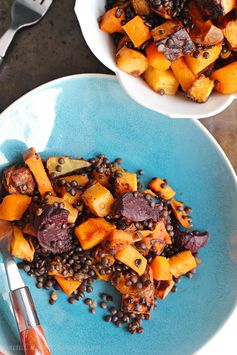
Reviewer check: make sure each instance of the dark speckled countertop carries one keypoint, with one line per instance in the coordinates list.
(55, 47)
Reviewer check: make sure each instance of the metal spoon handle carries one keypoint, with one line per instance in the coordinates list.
(5, 41)
(32, 335)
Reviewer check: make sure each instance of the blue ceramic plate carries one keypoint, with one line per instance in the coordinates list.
(84, 115)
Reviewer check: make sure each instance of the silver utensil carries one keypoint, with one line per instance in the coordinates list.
(31, 332)
(23, 13)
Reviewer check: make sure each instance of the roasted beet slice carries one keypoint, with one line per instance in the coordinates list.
(135, 208)
(192, 241)
(172, 39)
(52, 230)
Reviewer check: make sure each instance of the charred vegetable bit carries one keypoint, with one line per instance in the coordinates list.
(170, 44)
(77, 228)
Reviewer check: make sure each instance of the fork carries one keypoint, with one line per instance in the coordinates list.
(23, 13)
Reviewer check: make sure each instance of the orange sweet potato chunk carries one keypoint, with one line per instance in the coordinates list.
(164, 289)
(226, 78)
(93, 231)
(201, 89)
(183, 74)
(200, 63)
(35, 164)
(14, 206)
(162, 188)
(131, 257)
(182, 263)
(111, 22)
(137, 31)
(68, 285)
(161, 269)
(131, 61)
(156, 59)
(20, 247)
(180, 214)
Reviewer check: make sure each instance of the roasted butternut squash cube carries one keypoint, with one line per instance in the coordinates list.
(98, 199)
(119, 239)
(131, 257)
(111, 21)
(92, 232)
(131, 61)
(127, 182)
(161, 81)
(230, 32)
(182, 263)
(161, 269)
(172, 40)
(183, 74)
(180, 213)
(204, 60)
(73, 212)
(102, 178)
(71, 194)
(204, 32)
(161, 187)
(201, 89)
(34, 162)
(155, 58)
(68, 285)
(137, 31)
(21, 247)
(213, 9)
(141, 7)
(163, 289)
(14, 206)
(226, 78)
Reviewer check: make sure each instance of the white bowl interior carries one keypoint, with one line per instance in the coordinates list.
(88, 13)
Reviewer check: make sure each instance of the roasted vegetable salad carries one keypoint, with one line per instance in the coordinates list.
(75, 221)
(186, 44)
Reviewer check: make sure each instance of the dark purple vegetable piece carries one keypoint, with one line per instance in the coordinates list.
(135, 208)
(52, 229)
(192, 241)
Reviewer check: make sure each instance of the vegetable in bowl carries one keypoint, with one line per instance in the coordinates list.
(174, 45)
(77, 221)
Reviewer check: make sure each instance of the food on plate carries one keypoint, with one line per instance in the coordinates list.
(176, 46)
(138, 239)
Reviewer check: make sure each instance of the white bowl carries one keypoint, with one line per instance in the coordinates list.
(101, 45)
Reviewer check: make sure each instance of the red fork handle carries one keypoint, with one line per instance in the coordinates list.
(34, 341)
